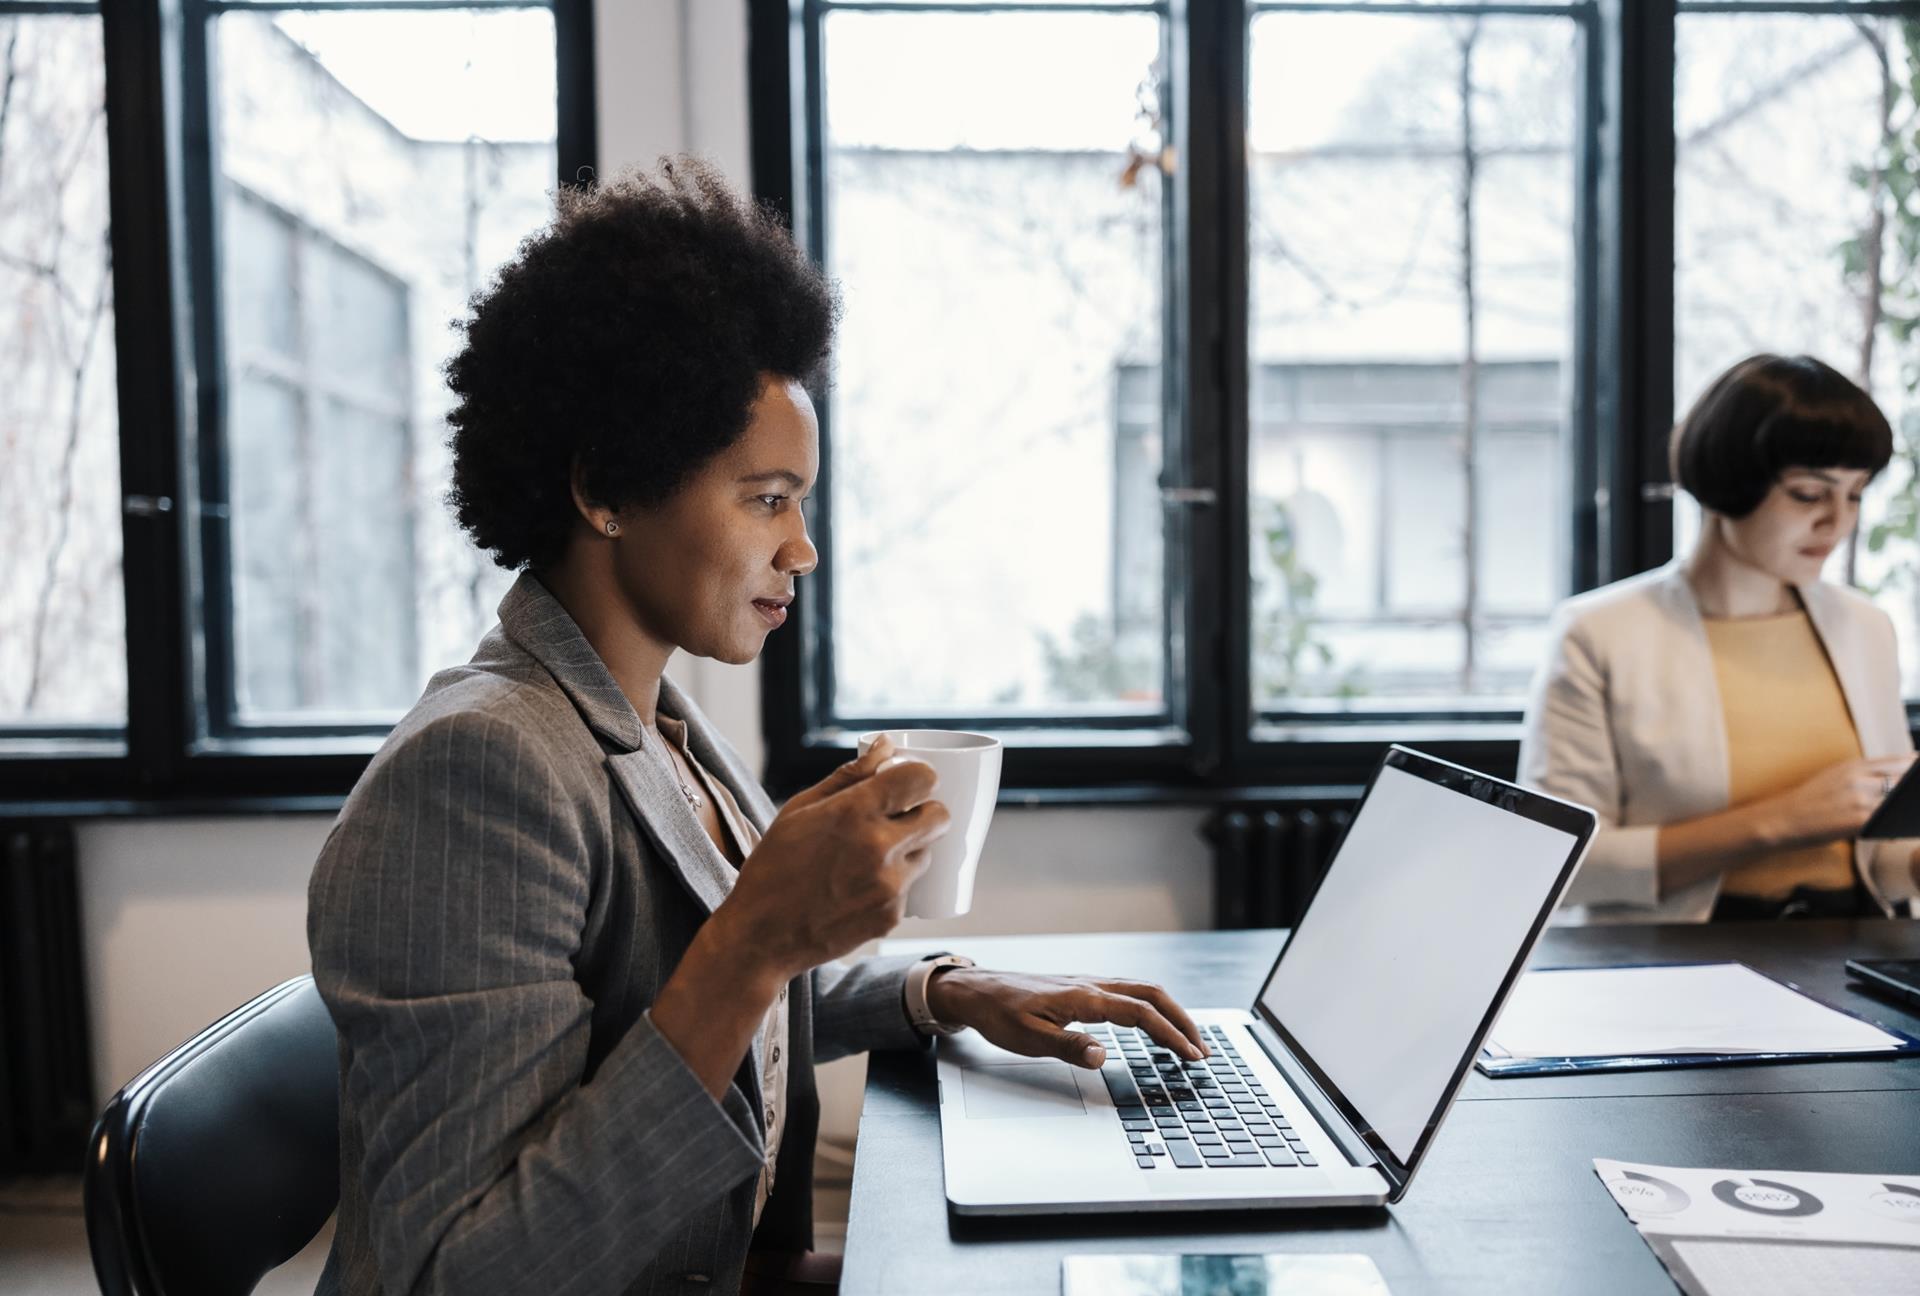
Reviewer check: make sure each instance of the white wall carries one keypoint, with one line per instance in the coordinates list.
(186, 918)
(183, 919)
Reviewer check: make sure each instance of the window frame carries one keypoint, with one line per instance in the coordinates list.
(171, 756)
(165, 759)
(1113, 746)
(1623, 173)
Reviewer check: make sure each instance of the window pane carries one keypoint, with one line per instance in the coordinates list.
(964, 4)
(1396, 340)
(375, 168)
(1353, 4)
(62, 602)
(1789, 127)
(995, 416)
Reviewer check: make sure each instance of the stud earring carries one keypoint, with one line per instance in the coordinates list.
(613, 528)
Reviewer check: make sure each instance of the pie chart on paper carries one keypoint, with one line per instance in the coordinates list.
(1768, 1197)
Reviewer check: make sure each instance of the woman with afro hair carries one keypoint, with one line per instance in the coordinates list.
(580, 966)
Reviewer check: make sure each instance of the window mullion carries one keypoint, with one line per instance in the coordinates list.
(210, 698)
(576, 137)
(144, 213)
(810, 225)
(1210, 236)
(1585, 467)
(776, 77)
(1635, 236)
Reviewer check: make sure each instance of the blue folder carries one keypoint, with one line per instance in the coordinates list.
(1499, 1067)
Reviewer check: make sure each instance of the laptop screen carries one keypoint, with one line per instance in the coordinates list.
(1388, 982)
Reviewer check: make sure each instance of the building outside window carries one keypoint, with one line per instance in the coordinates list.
(376, 166)
(319, 379)
(1356, 557)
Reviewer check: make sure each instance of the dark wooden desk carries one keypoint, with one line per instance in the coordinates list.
(1507, 1201)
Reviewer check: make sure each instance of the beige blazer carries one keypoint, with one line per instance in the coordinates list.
(1625, 717)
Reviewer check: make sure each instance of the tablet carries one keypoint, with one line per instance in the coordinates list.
(1898, 814)
(1121, 1274)
(1897, 979)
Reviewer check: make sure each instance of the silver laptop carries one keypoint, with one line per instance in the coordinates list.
(1329, 1089)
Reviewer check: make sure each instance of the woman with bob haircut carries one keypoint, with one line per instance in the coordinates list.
(1732, 717)
(580, 966)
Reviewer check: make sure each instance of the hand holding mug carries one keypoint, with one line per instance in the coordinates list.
(833, 870)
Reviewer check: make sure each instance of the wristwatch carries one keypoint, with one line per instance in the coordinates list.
(918, 978)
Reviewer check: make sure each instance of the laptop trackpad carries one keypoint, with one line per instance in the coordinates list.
(1021, 1090)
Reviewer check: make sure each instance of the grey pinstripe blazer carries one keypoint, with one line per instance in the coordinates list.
(505, 892)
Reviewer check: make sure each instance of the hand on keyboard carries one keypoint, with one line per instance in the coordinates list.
(1028, 1013)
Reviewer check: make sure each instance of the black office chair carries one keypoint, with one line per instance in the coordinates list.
(221, 1160)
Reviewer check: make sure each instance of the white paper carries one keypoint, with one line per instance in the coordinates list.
(1715, 1266)
(1641, 1012)
(1774, 1232)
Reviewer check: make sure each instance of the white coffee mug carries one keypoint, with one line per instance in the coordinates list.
(968, 766)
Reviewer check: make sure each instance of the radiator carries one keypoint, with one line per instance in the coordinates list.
(1267, 859)
(46, 1098)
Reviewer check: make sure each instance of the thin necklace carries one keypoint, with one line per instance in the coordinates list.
(694, 799)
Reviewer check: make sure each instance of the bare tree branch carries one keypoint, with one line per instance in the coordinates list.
(1272, 241)
(1470, 358)
(63, 507)
(47, 274)
(9, 74)
(63, 179)
(1873, 239)
(1766, 94)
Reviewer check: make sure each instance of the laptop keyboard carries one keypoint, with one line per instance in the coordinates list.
(1194, 1115)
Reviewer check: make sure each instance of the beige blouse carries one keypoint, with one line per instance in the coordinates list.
(1786, 721)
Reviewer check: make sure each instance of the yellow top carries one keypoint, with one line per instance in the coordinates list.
(1786, 721)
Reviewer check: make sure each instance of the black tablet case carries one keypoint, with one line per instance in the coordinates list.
(1899, 814)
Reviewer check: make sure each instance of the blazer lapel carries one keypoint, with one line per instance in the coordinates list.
(534, 619)
(654, 793)
(667, 818)
(1697, 723)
